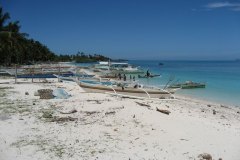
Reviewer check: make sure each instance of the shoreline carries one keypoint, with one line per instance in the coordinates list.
(206, 101)
(109, 127)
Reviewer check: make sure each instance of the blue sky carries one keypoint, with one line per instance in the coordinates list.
(134, 29)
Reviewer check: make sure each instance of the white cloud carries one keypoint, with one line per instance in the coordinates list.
(229, 5)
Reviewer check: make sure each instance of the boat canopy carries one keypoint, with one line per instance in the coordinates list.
(112, 63)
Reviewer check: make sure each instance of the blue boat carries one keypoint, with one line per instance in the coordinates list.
(36, 76)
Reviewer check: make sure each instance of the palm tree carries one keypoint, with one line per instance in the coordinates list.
(10, 38)
(15, 47)
(3, 18)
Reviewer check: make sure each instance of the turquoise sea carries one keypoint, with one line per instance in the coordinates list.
(222, 78)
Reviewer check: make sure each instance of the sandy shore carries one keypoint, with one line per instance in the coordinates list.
(107, 127)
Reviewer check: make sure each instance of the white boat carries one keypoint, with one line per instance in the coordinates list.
(118, 67)
(126, 90)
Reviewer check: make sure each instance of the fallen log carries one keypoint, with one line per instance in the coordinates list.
(163, 111)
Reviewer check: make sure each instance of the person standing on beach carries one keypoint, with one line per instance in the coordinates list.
(124, 77)
(119, 76)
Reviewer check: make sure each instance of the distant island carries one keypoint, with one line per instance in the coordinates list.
(17, 48)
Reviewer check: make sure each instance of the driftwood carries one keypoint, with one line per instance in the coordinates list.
(70, 112)
(91, 112)
(163, 111)
(143, 104)
(97, 101)
(111, 112)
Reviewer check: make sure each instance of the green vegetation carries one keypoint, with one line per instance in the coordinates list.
(17, 48)
(82, 57)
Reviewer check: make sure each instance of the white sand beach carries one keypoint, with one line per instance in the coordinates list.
(105, 127)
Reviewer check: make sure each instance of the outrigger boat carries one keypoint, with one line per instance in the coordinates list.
(150, 76)
(126, 90)
(188, 85)
(117, 67)
(44, 75)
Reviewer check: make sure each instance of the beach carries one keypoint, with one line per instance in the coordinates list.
(102, 126)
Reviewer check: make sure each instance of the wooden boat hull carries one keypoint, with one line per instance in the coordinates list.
(189, 86)
(137, 92)
(193, 86)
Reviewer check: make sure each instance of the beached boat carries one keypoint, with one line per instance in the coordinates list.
(36, 76)
(125, 90)
(44, 75)
(5, 73)
(188, 85)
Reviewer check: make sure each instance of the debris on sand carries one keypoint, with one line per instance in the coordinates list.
(97, 101)
(111, 112)
(47, 114)
(163, 111)
(214, 111)
(45, 93)
(63, 119)
(90, 112)
(205, 156)
(143, 104)
(69, 112)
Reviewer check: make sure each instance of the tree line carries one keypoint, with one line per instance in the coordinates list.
(81, 57)
(17, 48)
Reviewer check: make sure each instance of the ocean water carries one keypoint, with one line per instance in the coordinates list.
(222, 78)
